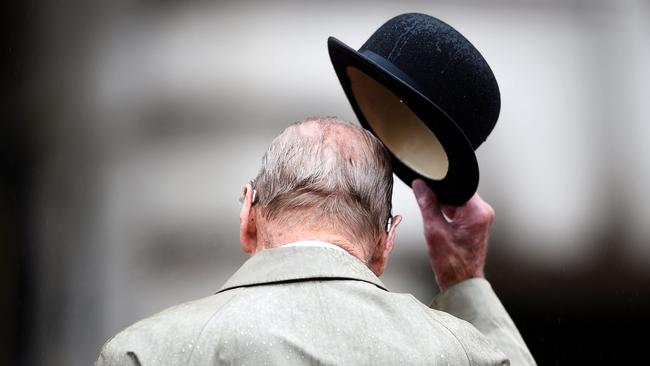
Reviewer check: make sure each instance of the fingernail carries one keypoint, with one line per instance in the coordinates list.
(419, 187)
(450, 212)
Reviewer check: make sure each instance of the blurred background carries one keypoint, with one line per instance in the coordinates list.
(129, 128)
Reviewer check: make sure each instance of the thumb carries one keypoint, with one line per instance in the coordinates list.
(427, 201)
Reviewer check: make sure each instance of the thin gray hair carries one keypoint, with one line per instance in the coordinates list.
(344, 178)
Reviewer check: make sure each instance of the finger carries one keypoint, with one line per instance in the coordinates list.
(427, 201)
(476, 210)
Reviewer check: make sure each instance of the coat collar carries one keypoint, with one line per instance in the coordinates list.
(284, 264)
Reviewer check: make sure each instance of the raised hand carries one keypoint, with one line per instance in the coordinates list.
(457, 247)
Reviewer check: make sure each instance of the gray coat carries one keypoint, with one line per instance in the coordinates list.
(321, 306)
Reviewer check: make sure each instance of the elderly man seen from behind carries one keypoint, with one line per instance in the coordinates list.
(317, 221)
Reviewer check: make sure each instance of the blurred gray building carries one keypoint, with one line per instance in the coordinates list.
(137, 123)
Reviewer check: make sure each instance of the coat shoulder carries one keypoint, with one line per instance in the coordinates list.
(479, 349)
(171, 333)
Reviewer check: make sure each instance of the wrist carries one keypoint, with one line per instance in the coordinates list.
(447, 280)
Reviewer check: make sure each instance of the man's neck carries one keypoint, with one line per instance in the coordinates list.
(337, 240)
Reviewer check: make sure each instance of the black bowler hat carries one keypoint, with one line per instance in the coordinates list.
(428, 94)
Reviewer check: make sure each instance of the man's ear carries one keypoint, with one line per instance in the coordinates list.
(379, 260)
(390, 239)
(247, 224)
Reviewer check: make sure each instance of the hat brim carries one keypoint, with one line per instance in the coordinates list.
(461, 181)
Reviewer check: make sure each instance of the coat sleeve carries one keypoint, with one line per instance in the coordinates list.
(475, 302)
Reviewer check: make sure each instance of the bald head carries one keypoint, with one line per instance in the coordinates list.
(329, 175)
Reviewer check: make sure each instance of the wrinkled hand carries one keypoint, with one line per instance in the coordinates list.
(457, 248)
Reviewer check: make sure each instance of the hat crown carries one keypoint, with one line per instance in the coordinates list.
(449, 70)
